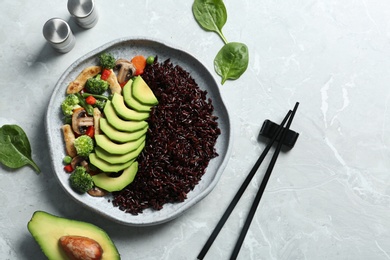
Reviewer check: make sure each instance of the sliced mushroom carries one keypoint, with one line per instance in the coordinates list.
(81, 121)
(79, 161)
(97, 192)
(125, 69)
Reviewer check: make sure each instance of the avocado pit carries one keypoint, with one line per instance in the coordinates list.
(81, 248)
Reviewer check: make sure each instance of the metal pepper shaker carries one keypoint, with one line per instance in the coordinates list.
(58, 33)
(84, 12)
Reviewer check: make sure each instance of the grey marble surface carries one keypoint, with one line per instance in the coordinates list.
(328, 198)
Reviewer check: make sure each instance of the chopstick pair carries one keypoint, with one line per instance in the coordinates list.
(289, 116)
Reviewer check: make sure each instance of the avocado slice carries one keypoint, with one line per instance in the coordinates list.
(131, 101)
(107, 167)
(119, 136)
(124, 112)
(120, 124)
(116, 158)
(47, 230)
(104, 181)
(106, 144)
(142, 92)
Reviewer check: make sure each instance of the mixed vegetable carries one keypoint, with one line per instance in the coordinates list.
(89, 99)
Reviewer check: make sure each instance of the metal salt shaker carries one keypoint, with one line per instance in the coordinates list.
(58, 33)
(84, 12)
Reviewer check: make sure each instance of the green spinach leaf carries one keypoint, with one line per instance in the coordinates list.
(231, 61)
(211, 15)
(15, 149)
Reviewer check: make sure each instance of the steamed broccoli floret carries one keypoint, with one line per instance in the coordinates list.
(107, 61)
(83, 145)
(100, 104)
(71, 102)
(96, 85)
(80, 180)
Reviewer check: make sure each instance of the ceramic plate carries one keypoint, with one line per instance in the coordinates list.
(128, 48)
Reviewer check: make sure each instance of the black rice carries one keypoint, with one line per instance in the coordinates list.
(180, 141)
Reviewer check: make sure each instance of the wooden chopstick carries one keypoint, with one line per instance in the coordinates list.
(243, 187)
(262, 188)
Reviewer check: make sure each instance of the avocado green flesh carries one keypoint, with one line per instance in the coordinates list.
(115, 158)
(123, 134)
(119, 136)
(111, 184)
(105, 166)
(142, 92)
(120, 124)
(47, 230)
(131, 101)
(114, 148)
(124, 112)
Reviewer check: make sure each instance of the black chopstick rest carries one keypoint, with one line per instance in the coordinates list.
(269, 128)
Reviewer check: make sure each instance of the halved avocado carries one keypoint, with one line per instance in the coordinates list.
(116, 158)
(120, 124)
(142, 92)
(106, 144)
(131, 101)
(119, 136)
(124, 112)
(105, 166)
(47, 230)
(104, 181)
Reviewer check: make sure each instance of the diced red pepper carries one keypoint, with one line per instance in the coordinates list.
(68, 168)
(105, 74)
(90, 131)
(123, 83)
(90, 100)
